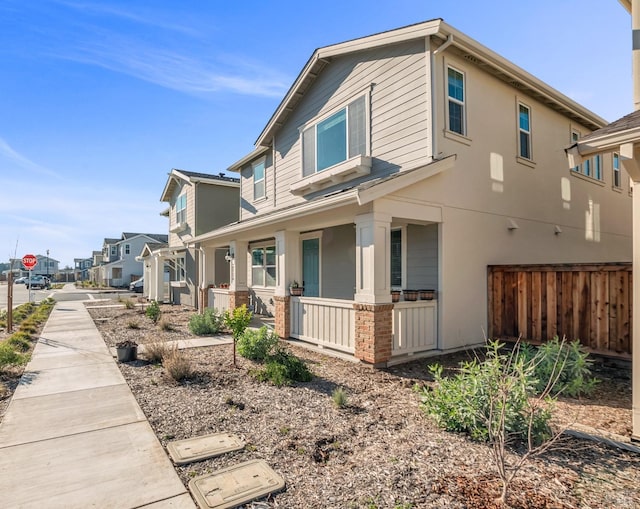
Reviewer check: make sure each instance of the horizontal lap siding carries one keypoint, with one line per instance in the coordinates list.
(591, 303)
(398, 122)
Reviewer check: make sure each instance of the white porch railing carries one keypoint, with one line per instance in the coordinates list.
(328, 323)
(219, 299)
(414, 326)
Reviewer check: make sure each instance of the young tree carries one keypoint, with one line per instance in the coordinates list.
(237, 321)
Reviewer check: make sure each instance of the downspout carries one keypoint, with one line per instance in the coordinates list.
(434, 110)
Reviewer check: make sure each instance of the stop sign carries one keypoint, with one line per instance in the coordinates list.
(29, 261)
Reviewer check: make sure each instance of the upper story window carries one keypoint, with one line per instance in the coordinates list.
(575, 136)
(114, 250)
(263, 266)
(597, 167)
(181, 209)
(456, 102)
(127, 249)
(617, 180)
(179, 269)
(258, 180)
(335, 139)
(524, 131)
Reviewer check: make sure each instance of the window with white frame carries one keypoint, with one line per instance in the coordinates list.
(456, 102)
(524, 131)
(114, 250)
(396, 258)
(335, 139)
(617, 181)
(179, 269)
(181, 209)
(127, 249)
(263, 266)
(258, 180)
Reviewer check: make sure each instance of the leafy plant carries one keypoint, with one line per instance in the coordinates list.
(237, 321)
(256, 345)
(9, 357)
(153, 311)
(499, 401)
(20, 341)
(284, 368)
(209, 322)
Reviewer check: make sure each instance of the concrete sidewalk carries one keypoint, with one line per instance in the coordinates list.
(74, 435)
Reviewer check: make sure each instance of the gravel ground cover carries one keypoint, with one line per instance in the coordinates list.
(380, 450)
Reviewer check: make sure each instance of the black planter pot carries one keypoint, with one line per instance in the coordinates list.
(127, 353)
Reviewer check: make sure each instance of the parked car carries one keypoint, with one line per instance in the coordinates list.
(38, 282)
(137, 285)
(21, 280)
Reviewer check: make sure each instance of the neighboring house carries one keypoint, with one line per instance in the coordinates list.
(120, 265)
(410, 159)
(46, 266)
(97, 259)
(82, 267)
(198, 203)
(620, 141)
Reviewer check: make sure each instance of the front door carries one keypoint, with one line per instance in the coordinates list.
(311, 267)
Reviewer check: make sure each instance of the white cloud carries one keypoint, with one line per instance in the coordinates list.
(17, 161)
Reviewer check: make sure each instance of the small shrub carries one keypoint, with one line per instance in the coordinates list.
(256, 345)
(20, 341)
(9, 357)
(156, 350)
(132, 324)
(177, 364)
(284, 368)
(209, 322)
(339, 397)
(129, 304)
(153, 311)
(237, 321)
(575, 376)
(165, 325)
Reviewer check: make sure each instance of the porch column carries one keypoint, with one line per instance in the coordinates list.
(207, 274)
(156, 289)
(373, 308)
(238, 290)
(287, 270)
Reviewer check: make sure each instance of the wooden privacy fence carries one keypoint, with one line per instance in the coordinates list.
(589, 302)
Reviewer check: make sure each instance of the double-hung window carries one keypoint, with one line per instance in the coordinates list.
(258, 180)
(127, 249)
(617, 181)
(524, 131)
(179, 269)
(181, 209)
(335, 139)
(114, 250)
(263, 266)
(597, 167)
(456, 102)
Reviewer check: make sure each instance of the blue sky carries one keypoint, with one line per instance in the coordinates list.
(100, 99)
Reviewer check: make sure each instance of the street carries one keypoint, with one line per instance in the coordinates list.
(68, 293)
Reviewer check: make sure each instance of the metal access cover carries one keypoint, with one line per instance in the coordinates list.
(200, 448)
(234, 486)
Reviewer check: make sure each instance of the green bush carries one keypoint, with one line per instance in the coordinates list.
(9, 357)
(573, 379)
(20, 341)
(257, 344)
(209, 322)
(153, 311)
(284, 368)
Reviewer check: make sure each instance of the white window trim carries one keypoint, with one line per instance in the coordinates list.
(614, 171)
(263, 245)
(366, 93)
(262, 160)
(447, 98)
(184, 209)
(519, 155)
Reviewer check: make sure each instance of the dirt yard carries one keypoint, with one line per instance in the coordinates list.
(380, 451)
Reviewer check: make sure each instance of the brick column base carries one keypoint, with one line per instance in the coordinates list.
(238, 298)
(283, 316)
(374, 332)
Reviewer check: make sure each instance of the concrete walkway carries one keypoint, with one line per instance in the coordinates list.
(74, 435)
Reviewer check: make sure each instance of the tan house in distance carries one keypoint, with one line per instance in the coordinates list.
(198, 203)
(410, 159)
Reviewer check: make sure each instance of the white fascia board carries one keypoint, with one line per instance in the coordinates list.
(608, 142)
(237, 166)
(302, 210)
(173, 178)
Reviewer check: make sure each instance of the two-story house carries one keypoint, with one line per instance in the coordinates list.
(198, 203)
(82, 267)
(411, 159)
(119, 264)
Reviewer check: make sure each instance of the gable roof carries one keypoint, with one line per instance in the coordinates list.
(438, 29)
(608, 138)
(192, 177)
(157, 237)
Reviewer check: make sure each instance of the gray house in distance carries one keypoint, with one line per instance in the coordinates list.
(120, 266)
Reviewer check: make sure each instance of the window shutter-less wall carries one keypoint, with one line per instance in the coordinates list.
(357, 142)
(309, 151)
